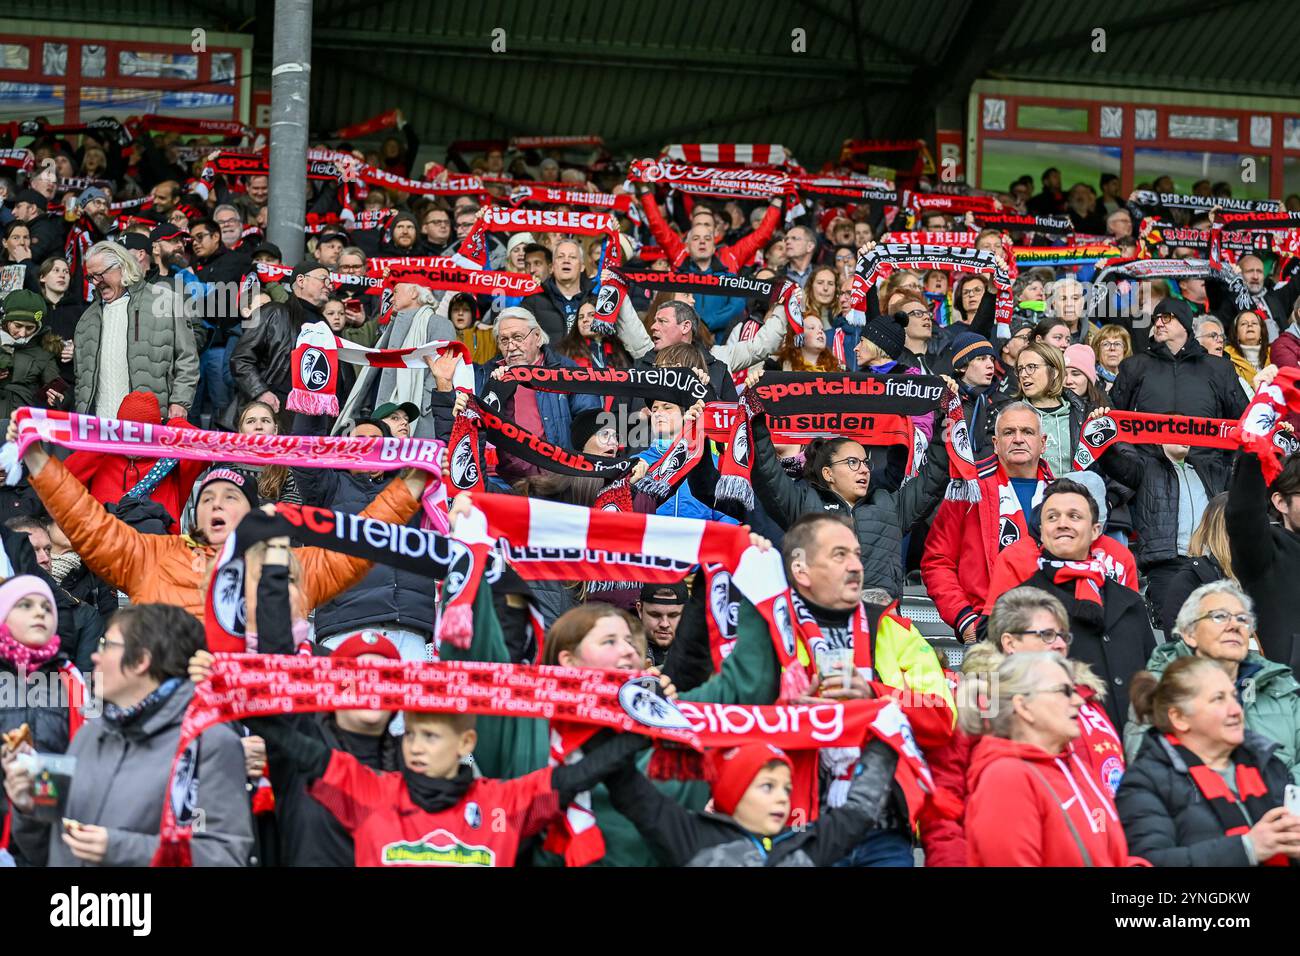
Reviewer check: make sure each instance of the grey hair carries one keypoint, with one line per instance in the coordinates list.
(354, 251)
(1012, 611)
(984, 697)
(1202, 321)
(1191, 609)
(582, 256)
(523, 315)
(1016, 407)
(225, 205)
(426, 296)
(122, 257)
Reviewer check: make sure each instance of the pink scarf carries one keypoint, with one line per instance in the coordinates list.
(24, 658)
(110, 436)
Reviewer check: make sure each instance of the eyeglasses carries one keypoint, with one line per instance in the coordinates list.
(1221, 618)
(1066, 690)
(853, 464)
(105, 643)
(917, 313)
(1164, 317)
(98, 277)
(1212, 336)
(323, 280)
(200, 235)
(1048, 635)
(1112, 344)
(509, 341)
(1029, 369)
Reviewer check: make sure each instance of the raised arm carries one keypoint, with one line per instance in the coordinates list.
(741, 355)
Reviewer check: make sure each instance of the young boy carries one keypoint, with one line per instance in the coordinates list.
(751, 807)
(434, 811)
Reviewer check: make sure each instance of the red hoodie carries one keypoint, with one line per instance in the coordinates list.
(1013, 820)
(1098, 747)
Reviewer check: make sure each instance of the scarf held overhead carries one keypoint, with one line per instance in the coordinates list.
(243, 685)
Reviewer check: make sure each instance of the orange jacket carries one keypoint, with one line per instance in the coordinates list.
(173, 569)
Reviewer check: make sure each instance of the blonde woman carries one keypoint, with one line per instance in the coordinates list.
(1040, 371)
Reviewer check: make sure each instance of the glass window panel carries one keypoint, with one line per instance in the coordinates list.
(93, 60)
(1186, 167)
(1066, 119)
(14, 56)
(1191, 126)
(121, 102)
(1290, 176)
(1005, 161)
(172, 66)
(1291, 132)
(54, 59)
(223, 68)
(32, 99)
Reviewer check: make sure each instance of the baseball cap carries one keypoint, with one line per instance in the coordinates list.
(166, 232)
(136, 240)
(664, 593)
(367, 642)
(386, 409)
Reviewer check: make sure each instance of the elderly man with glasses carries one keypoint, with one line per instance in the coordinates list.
(262, 359)
(1218, 622)
(133, 337)
(521, 341)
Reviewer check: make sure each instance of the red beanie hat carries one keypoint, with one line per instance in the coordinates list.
(731, 771)
(367, 642)
(140, 407)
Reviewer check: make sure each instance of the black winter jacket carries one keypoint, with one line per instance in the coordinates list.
(1115, 640)
(1147, 470)
(1266, 560)
(260, 362)
(1200, 570)
(553, 309)
(880, 519)
(682, 837)
(1168, 822)
(1193, 382)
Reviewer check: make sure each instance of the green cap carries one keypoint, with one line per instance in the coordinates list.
(23, 305)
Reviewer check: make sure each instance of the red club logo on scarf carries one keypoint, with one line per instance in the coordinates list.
(464, 466)
(314, 369)
(606, 301)
(643, 702)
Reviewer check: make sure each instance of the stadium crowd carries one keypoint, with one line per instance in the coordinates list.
(1048, 424)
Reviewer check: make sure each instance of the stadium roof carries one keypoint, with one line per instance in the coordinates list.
(642, 75)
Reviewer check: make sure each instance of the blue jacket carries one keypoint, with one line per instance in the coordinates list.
(715, 311)
(683, 504)
(556, 408)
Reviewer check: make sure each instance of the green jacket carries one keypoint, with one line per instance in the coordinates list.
(1270, 696)
(31, 367)
(749, 675)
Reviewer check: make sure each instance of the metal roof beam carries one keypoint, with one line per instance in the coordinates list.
(852, 24)
(604, 55)
(506, 124)
(1051, 46)
(668, 134)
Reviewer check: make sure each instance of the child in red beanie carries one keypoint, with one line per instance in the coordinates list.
(751, 809)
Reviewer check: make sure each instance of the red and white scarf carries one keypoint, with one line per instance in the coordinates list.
(729, 154)
(318, 351)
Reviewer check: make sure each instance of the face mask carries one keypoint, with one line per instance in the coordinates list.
(661, 444)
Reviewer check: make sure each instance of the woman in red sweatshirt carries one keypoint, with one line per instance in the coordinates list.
(1032, 802)
(1023, 619)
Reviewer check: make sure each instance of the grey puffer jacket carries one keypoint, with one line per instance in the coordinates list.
(161, 356)
(121, 781)
(880, 519)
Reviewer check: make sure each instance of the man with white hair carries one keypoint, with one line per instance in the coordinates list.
(556, 306)
(414, 322)
(231, 223)
(522, 341)
(1275, 304)
(133, 337)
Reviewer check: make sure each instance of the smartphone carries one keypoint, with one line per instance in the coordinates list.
(352, 305)
(1291, 799)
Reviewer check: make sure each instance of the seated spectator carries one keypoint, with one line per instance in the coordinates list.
(124, 759)
(1217, 622)
(1203, 790)
(1026, 714)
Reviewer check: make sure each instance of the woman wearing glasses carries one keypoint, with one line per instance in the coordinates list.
(1203, 790)
(1040, 371)
(1111, 344)
(1033, 802)
(1217, 622)
(1024, 620)
(837, 478)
